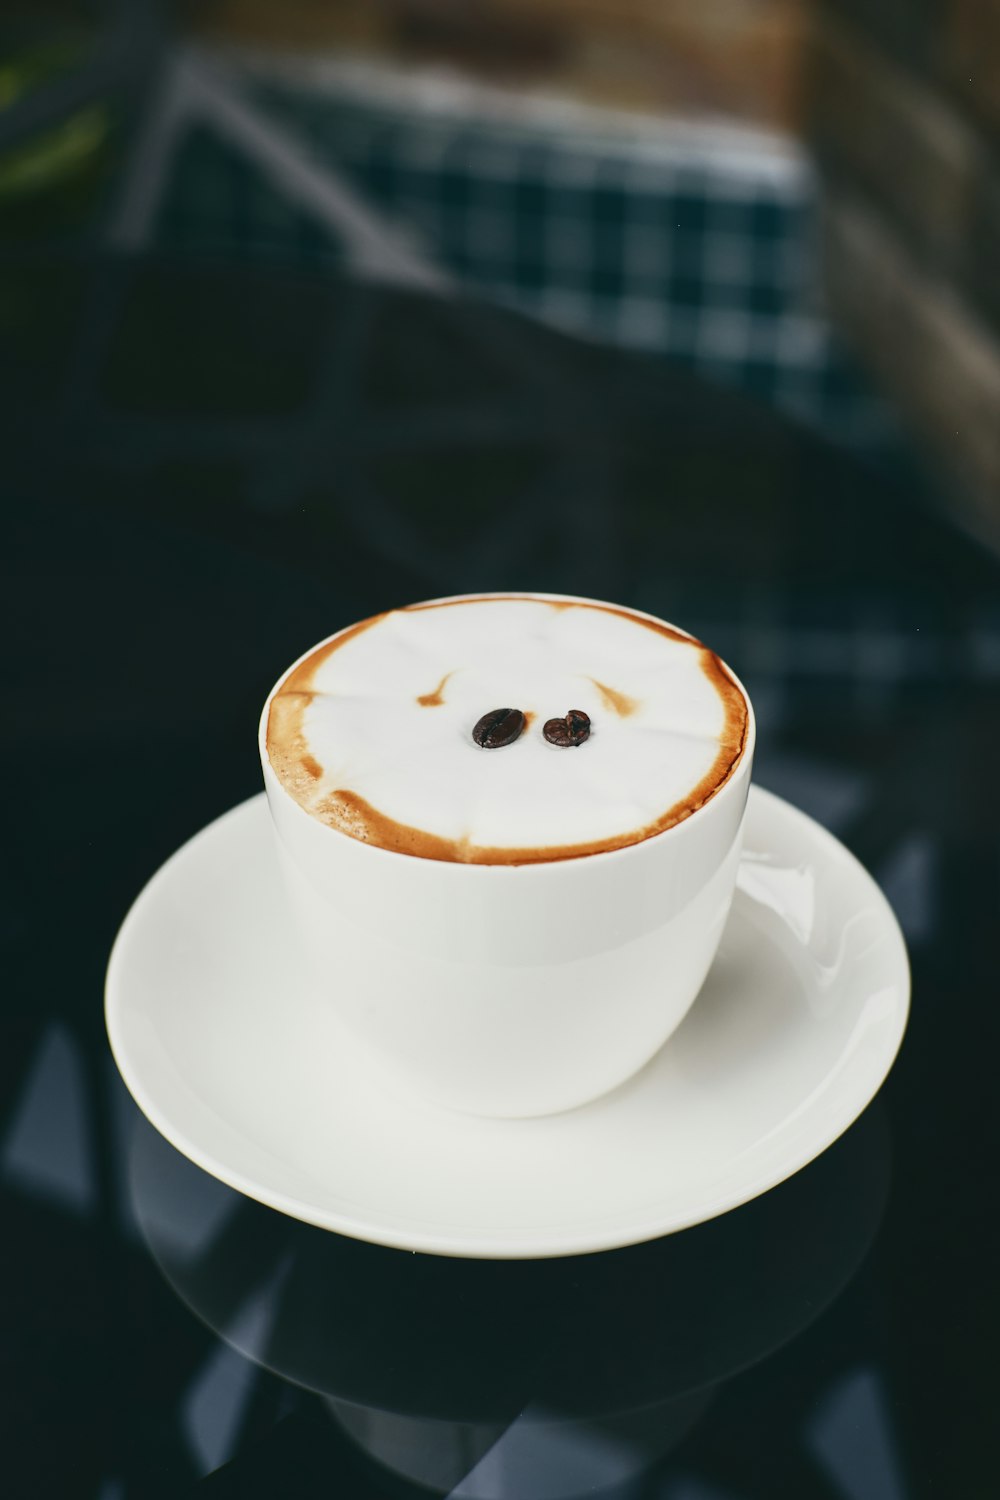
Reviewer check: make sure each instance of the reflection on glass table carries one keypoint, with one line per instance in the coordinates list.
(537, 1380)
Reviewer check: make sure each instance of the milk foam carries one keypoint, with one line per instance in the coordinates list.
(372, 732)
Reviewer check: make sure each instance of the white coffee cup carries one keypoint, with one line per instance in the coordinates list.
(512, 990)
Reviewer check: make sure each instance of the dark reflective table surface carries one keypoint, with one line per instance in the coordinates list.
(205, 469)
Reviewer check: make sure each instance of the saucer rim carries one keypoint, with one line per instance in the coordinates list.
(539, 1242)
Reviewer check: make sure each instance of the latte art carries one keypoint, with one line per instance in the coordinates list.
(379, 732)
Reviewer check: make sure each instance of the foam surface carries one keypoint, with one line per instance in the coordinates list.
(372, 732)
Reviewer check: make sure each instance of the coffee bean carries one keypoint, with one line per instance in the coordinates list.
(572, 730)
(501, 726)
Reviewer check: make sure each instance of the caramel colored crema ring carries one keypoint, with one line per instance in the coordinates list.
(349, 813)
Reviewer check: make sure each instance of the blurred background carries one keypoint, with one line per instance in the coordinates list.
(798, 198)
(314, 307)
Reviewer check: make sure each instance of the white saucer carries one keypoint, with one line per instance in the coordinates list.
(245, 1071)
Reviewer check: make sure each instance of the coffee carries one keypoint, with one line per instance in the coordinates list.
(504, 740)
(506, 729)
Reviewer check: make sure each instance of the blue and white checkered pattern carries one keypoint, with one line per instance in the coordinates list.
(687, 247)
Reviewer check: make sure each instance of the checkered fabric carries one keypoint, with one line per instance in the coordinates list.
(704, 258)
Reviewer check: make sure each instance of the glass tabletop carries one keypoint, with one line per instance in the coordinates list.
(208, 467)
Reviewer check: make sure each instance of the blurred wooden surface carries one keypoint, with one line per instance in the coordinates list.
(734, 58)
(903, 105)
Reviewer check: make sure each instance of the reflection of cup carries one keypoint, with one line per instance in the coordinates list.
(497, 984)
(540, 1455)
(524, 1372)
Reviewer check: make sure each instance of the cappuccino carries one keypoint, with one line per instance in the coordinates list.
(566, 782)
(506, 729)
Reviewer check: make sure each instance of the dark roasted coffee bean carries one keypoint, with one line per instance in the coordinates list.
(501, 726)
(572, 730)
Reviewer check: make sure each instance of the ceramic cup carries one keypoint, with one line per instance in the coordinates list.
(512, 990)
